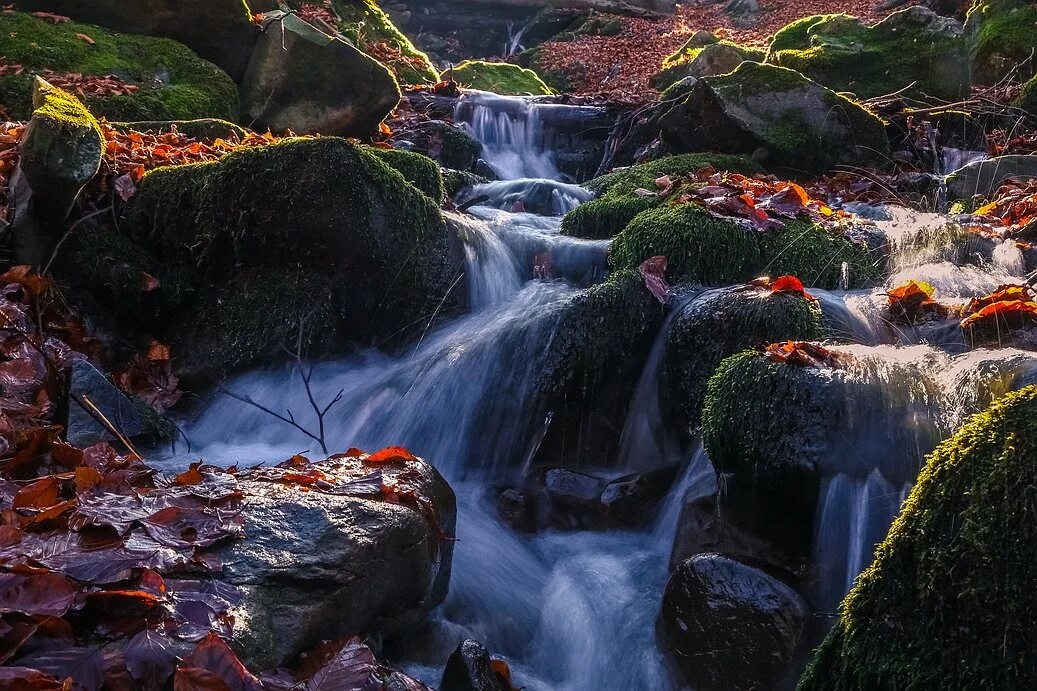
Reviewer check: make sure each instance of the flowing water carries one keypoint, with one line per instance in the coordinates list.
(576, 610)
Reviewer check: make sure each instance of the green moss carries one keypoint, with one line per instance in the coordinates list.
(679, 65)
(617, 204)
(817, 256)
(905, 49)
(457, 180)
(1027, 99)
(1001, 35)
(499, 77)
(723, 323)
(367, 26)
(207, 129)
(175, 84)
(948, 601)
(420, 171)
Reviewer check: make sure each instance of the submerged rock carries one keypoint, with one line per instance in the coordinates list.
(303, 80)
(501, 78)
(984, 177)
(785, 120)
(170, 81)
(728, 625)
(316, 566)
(948, 601)
(913, 47)
(1001, 35)
(470, 669)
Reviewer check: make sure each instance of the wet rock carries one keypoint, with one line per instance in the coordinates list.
(792, 122)
(318, 566)
(219, 31)
(914, 47)
(287, 84)
(631, 501)
(518, 509)
(948, 601)
(88, 385)
(728, 625)
(984, 177)
(450, 146)
(469, 669)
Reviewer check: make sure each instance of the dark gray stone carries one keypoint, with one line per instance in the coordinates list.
(984, 177)
(83, 429)
(468, 669)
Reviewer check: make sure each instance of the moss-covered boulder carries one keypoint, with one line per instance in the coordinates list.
(371, 30)
(167, 81)
(219, 31)
(711, 250)
(785, 120)
(692, 60)
(498, 77)
(417, 169)
(1002, 38)
(205, 128)
(778, 428)
(949, 600)
(61, 149)
(450, 146)
(305, 81)
(617, 204)
(319, 231)
(721, 323)
(914, 47)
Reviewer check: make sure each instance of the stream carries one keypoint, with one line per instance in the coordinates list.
(569, 610)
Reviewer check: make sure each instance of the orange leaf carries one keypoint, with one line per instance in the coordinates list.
(391, 454)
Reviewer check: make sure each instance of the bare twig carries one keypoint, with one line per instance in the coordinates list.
(89, 406)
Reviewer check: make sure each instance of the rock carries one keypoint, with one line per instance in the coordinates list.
(171, 82)
(418, 170)
(374, 31)
(914, 46)
(219, 31)
(1001, 36)
(801, 125)
(317, 566)
(246, 286)
(719, 324)
(457, 181)
(709, 250)
(468, 669)
(617, 204)
(777, 430)
(948, 601)
(501, 78)
(83, 429)
(728, 625)
(631, 501)
(205, 128)
(60, 153)
(984, 177)
(449, 146)
(719, 57)
(287, 84)
(518, 509)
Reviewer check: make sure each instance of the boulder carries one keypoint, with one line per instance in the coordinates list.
(631, 501)
(948, 601)
(154, 78)
(88, 386)
(470, 669)
(204, 128)
(719, 324)
(501, 78)
(712, 250)
(727, 625)
(785, 120)
(305, 231)
(1002, 36)
(449, 146)
(617, 204)
(302, 80)
(694, 60)
(316, 566)
(914, 47)
(417, 169)
(372, 30)
(984, 177)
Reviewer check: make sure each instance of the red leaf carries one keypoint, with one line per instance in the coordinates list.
(47, 594)
(391, 454)
(41, 494)
(349, 670)
(26, 679)
(150, 659)
(653, 271)
(214, 655)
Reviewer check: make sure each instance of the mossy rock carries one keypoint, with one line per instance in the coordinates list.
(1002, 38)
(371, 30)
(617, 204)
(206, 129)
(450, 146)
(694, 60)
(1027, 98)
(457, 180)
(420, 171)
(499, 77)
(175, 84)
(721, 323)
(784, 119)
(913, 47)
(705, 249)
(325, 208)
(948, 601)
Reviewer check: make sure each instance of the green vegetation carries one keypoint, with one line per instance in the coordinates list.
(948, 601)
(175, 84)
(907, 48)
(697, 60)
(420, 171)
(617, 204)
(371, 30)
(1001, 36)
(499, 77)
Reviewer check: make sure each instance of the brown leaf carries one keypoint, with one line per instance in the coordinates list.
(150, 659)
(214, 655)
(41, 494)
(47, 594)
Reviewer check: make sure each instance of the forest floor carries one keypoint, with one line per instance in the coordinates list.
(620, 66)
